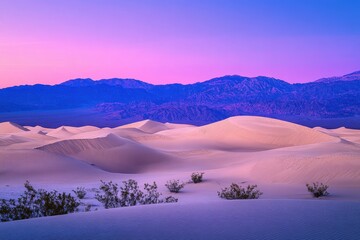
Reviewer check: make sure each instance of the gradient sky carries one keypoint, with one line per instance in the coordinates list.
(168, 41)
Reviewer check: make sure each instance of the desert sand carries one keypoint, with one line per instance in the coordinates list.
(280, 157)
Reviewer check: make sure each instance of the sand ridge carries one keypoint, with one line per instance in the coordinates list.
(257, 148)
(10, 127)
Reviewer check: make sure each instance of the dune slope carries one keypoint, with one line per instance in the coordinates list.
(241, 133)
(9, 127)
(111, 153)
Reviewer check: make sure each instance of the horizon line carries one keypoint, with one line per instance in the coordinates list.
(134, 79)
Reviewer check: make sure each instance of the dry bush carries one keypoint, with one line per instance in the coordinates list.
(37, 203)
(129, 194)
(318, 189)
(174, 186)
(197, 177)
(238, 192)
(80, 192)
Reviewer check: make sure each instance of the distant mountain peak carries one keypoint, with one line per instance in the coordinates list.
(353, 73)
(238, 78)
(123, 82)
(78, 82)
(354, 76)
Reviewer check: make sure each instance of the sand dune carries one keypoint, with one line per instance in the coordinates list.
(36, 135)
(278, 156)
(38, 129)
(66, 131)
(148, 126)
(35, 165)
(7, 140)
(111, 153)
(344, 133)
(9, 127)
(61, 132)
(69, 147)
(241, 133)
(177, 125)
(77, 130)
(129, 133)
(254, 148)
(263, 149)
(262, 131)
(333, 163)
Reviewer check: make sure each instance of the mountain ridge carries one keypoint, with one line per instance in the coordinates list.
(135, 83)
(354, 76)
(122, 101)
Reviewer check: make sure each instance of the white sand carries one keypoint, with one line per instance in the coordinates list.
(251, 220)
(278, 156)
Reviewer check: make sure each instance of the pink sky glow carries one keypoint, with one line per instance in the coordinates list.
(50, 42)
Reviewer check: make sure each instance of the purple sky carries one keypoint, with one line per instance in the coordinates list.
(177, 41)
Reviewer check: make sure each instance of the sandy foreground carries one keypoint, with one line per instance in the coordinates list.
(280, 157)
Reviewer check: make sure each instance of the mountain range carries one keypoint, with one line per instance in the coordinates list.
(117, 101)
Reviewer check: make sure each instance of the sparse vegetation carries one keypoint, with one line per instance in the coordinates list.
(238, 192)
(130, 194)
(37, 203)
(174, 186)
(80, 192)
(151, 195)
(109, 197)
(170, 199)
(196, 177)
(318, 189)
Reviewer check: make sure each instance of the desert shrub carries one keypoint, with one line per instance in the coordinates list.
(37, 203)
(238, 192)
(54, 203)
(170, 199)
(196, 177)
(151, 195)
(318, 189)
(174, 186)
(109, 196)
(130, 194)
(80, 192)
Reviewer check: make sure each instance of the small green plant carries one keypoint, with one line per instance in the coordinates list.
(174, 186)
(37, 203)
(238, 192)
(318, 189)
(197, 177)
(80, 192)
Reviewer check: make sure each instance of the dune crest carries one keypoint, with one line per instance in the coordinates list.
(147, 126)
(245, 133)
(10, 127)
(73, 146)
